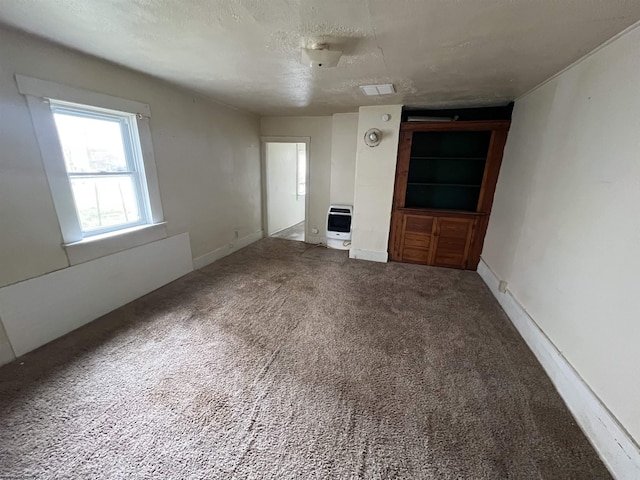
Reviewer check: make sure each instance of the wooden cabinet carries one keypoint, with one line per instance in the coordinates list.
(418, 238)
(453, 240)
(445, 180)
(433, 240)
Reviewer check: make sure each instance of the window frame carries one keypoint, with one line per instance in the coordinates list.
(41, 95)
(135, 164)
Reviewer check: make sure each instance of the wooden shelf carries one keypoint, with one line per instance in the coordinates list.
(448, 158)
(435, 212)
(444, 184)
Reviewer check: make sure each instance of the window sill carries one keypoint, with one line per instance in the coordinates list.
(108, 243)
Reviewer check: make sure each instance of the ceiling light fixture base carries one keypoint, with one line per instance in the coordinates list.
(319, 56)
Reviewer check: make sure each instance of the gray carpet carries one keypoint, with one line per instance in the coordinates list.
(288, 361)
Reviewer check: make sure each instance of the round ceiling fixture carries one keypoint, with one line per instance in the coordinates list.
(320, 56)
(373, 137)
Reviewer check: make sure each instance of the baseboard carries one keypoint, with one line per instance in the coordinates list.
(218, 253)
(316, 239)
(6, 352)
(369, 255)
(614, 445)
(41, 309)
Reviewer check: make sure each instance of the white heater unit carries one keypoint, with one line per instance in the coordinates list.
(339, 226)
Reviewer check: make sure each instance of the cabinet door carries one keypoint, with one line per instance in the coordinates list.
(452, 242)
(417, 238)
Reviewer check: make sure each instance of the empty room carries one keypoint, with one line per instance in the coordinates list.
(303, 239)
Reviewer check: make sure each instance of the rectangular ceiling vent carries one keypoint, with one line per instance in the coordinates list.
(375, 90)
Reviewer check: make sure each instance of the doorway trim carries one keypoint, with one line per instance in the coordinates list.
(264, 184)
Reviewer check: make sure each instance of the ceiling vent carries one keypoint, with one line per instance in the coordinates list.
(319, 56)
(375, 90)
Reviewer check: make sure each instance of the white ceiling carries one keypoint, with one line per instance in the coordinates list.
(246, 52)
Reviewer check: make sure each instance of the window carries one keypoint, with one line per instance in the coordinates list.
(302, 169)
(97, 154)
(102, 159)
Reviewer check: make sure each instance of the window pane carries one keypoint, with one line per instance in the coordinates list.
(104, 202)
(302, 169)
(91, 144)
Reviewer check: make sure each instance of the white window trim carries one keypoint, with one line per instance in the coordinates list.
(134, 160)
(38, 94)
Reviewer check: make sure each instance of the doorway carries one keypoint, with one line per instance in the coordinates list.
(286, 172)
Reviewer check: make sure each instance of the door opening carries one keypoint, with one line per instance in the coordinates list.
(286, 177)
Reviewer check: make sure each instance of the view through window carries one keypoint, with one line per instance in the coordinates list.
(103, 170)
(302, 169)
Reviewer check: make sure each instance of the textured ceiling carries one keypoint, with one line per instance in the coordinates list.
(246, 52)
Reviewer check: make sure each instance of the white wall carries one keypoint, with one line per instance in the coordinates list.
(207, 158)
(565, 227)
(343, 158)
(71, 297)
(319, 130)
(284, 207)
(374, 181)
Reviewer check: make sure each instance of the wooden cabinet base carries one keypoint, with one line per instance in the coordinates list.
(432, 238)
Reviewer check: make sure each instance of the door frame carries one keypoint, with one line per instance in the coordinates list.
(264, 184)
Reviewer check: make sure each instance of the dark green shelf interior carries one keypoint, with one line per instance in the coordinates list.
(446, 170)
(450, 144)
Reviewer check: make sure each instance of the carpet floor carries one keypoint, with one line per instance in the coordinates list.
(295, 232)
(288, 361)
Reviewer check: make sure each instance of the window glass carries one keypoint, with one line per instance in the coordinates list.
(91, 144)
(302, 169)
(105, 201)
(104, 176)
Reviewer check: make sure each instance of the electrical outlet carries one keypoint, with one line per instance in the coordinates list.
(502, 286)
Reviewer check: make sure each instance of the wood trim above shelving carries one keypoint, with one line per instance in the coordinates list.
(439, 213)
(457, 126)
(402, 169)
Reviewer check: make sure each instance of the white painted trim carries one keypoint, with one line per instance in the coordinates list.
(55, 91)
(277, 139)
(98, 246)
(218, 253)
(581, 59)
(616, 447)
(54, 167)
(6, 352)
(150, 170)
(368, 255)
(41, 309)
